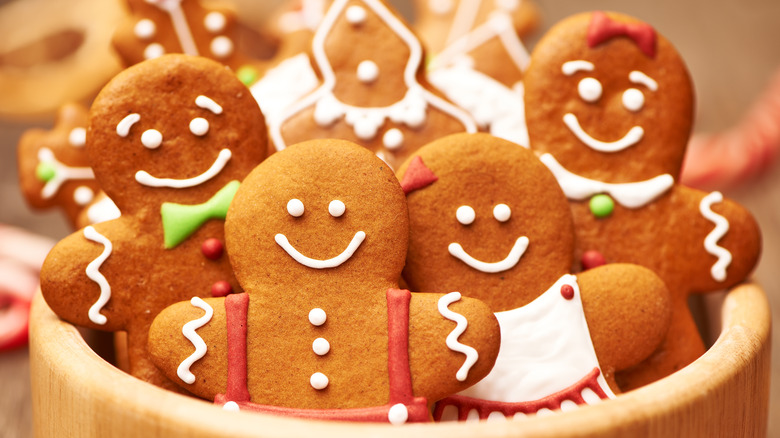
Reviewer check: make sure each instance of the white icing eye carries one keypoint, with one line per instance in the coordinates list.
(199, 126)
(214, 22)
(590, 90)
(633, 99)
(145, 29)
(151, 139)
(393, 139)
(77, 137)
(465, 215)
(154, 50)
(356, 15)
(336, 208)
(295, 207)
(367, 71)
(502, 212)
(221, 47)
(317, 316)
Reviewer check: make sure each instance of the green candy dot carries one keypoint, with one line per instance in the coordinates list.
(601, 206)
(45, 172)
(247, 74)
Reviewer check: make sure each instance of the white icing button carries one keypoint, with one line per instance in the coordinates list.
(221, 47)
(214, 21)
(295, 207)
(398, 414)
(393, 139)
(77, 137)
(231, 406)
(440, 7)
(502, 212)
(633, 99)
(367, 71)
(589, 89)
(319, 381)
(154, 50)
(317, 316)
(336, 208)
(465, 215)
(145, 29)
(199, 126)
(151, 139)
(356, 15)
(321, 346)
(83, 195)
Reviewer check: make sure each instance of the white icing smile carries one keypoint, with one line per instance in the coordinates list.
(281, 239)
(143, 177)
(521, 244)
(632, 137)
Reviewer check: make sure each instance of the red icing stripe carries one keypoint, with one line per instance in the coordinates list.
(400, 375)
(236, 307)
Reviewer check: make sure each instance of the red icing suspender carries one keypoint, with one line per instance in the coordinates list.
(400, 376)
(236, 307)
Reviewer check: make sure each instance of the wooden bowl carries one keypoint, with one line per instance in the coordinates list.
(724, 393)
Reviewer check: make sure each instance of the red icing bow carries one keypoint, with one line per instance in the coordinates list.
(417, 176)
(602, 28)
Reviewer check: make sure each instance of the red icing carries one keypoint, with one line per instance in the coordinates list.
(417, 176)
(236, 307)
(567, 291)
(221, 289)
(212, 248)
(602, 28)
(592, 259)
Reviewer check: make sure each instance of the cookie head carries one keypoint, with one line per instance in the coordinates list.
(173, 129)
(487, 219)
(319, 211)
(609, 98)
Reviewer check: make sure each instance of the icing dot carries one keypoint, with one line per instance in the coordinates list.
(151, 138)
(214, 22)
(154, 50)
(440, 7)
(592, 259)
(199, 126)
(336, 208)
(317, 316)
(221, 289)
(83, 195)
(601, 206)
(567, 291)
(319, 381)
(212, 248)
(295, 207)
(393, 138)
(398, 414)
(633, 100)
(145, 29)
(77, 137)
(221, 46)
(589, 89)
(367, 71)
(321, 346)
(45, 172)
(356, 15)
(465, 215)
(247, 74)
(502, 212)
(231, 406)
(508, 5)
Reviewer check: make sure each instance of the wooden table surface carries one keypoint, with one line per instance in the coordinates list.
(731, 48)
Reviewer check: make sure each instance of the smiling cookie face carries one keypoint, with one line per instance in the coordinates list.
(173, 129)
(609, 98)
(494, 224)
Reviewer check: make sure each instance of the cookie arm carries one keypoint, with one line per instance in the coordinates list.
(450, 338)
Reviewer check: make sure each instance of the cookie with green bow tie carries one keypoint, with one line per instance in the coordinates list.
(169, 141)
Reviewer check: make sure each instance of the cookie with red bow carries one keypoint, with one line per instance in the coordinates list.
(610, 106)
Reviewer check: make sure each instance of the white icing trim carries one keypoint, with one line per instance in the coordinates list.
(93, 272)
(718, 270)
(180, 25)
(62, 173)
(357, 239)
(144, 178)
(571, 67)
(208, 104)
(638, 77)
(102, 211)
(629, 195)
(452, 339)
(463, 21)
(632, 137)
(518, 249)
(188, 330)
(124, 125)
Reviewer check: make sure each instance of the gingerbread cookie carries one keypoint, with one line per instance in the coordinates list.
(609, 107)
(317, 236)
(169, 139)
(489, 220)
(373, 91)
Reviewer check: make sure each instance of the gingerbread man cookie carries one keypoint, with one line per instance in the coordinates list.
(317, 236)
(373, 91)
(609, 108)
(170, 139)
(489, 220)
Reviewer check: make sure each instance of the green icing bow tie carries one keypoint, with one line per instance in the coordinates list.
(180, 221)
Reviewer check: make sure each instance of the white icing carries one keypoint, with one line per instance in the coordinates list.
(452, 339)
(393, 139)
(208, 104)
(465, 215)
(367, 71)
(154, 50)
(629, 195)
(151, 139)
(143, 177)
(317, 316)
(336, 208)
(283, 85)
(356, 15)
(357, 239)
(62, 173)
(231, 406)
(77, 137)
(189, 332)
(199, 126)
(463, 21)
(508, 5)
(440, 7)
(517, 251)
(221, 47)
(571, 67)
(94, 274)
(718, 270)
(638, 77)
(295, 207)
(398, 414)
(633, 100)
(145, 29)
(590, 89)
(180, 25)
(102, 211)
(319, 381)
(214, 22)
(124, 125)
(502, 212)
(83, 195)
(632, 137)
(320, 346)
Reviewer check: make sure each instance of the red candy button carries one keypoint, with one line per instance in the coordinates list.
(221, 289)
(212, 248)
(592, 259)
(567, 291)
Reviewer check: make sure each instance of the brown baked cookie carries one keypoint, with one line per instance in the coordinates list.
(169, 140)
(317, 236)
(609, 107)
(489, 220)
(373, 91)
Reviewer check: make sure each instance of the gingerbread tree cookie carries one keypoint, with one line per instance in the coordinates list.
(609, 108)
(489, 220)
(169, 140)
(317, 235)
